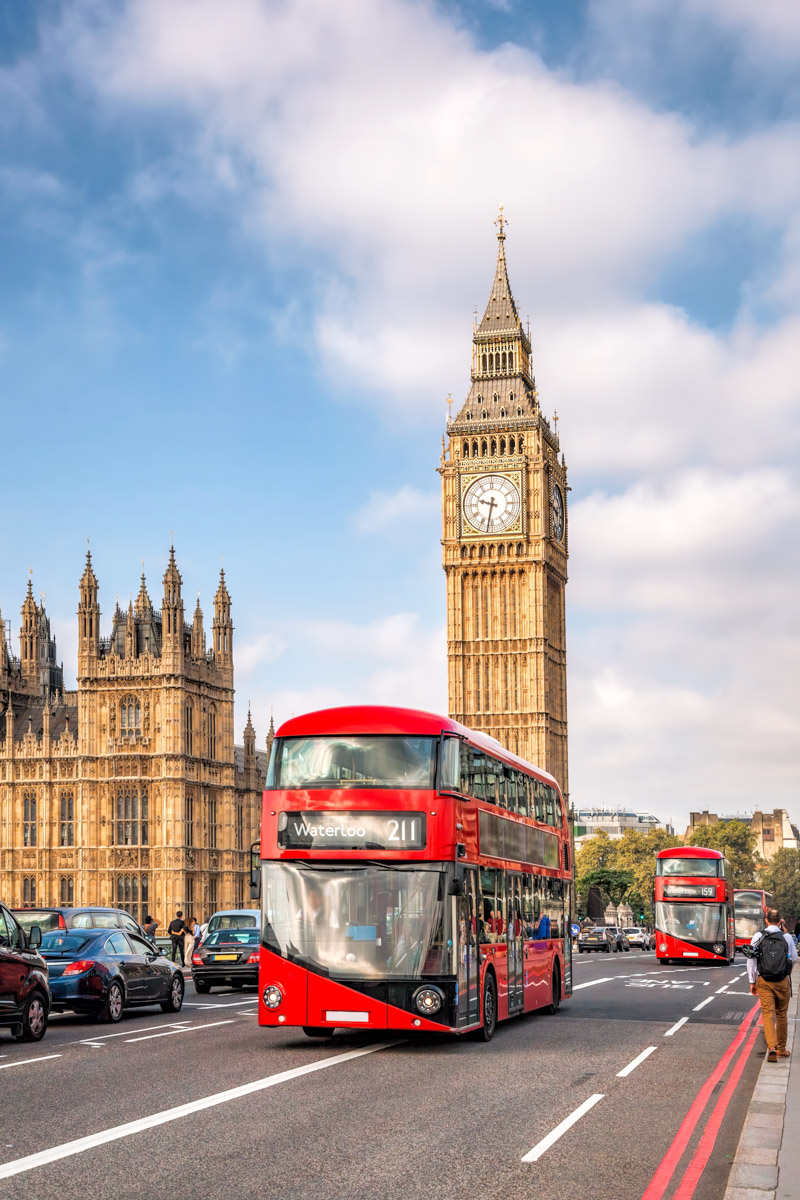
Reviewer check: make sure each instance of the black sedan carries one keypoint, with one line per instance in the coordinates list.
(103, 971)
(226, 956)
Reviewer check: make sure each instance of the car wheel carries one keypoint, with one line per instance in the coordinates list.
(114, 1004)
(626, 948)
(489, 1008)
(34, 1019)
(555, 992)
(201, 988)
(580, 949)
(175, 1002)
(317, 1031)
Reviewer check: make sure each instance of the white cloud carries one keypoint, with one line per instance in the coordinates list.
(405, 507)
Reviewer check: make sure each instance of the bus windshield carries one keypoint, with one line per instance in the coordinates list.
(344, 761)
(689, 866)
(365, 921)
(692, 922)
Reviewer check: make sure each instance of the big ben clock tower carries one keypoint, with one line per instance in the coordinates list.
(505, 543)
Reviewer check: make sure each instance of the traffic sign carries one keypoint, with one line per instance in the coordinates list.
(575, 930)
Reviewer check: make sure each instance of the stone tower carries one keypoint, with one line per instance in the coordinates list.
(505, 544)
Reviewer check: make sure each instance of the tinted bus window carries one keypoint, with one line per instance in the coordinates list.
(690, 866)
(378, 761)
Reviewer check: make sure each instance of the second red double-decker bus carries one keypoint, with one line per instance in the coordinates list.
(415, 876)
(693, 905)
(749, 913)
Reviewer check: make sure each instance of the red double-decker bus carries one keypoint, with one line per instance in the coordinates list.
(749, 913)
(693, 905)
(414, 876)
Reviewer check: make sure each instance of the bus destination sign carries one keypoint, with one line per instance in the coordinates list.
(687, 890)
(351, 830)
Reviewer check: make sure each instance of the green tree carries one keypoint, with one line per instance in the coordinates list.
(636, 852)
(613, 884)
(595, 853)
(737, 842)
(781, 876)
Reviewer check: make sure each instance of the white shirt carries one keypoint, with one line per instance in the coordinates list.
(752, 965)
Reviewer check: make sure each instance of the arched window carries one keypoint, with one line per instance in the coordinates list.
(494, 447)
(29, 819)
(132, 827)
(511, 445)
(504, 361)
(212, 732)
(130, 717)
(519, 411)
(475, 449)
(485, 364)
(497, 362)
(484, 448)
(503, 443)
(465, 450)
(484, 415)
(188, 732)
(510, 397)
(521, 446)
(510, 361)
(28, 891)
(67, 890)
(67, 824)
(468, 414)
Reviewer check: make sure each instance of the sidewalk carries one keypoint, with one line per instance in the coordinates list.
(767, 1161)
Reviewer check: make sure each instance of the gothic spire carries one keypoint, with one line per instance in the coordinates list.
(143, 602)
(501, 314)
(88, 578)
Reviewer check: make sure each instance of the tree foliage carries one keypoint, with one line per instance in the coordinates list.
(737, 841)
(612, 883)
(781, 876)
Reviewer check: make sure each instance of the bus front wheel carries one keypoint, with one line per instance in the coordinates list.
(489, 1007)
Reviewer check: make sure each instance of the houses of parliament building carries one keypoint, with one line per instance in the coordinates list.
(128, 791)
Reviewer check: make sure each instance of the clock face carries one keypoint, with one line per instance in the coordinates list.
(557, 509)
(491, 504)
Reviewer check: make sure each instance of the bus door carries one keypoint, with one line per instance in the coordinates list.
(469, 967)
(515, 958)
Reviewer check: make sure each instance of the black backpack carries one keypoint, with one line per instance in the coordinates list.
(772, 955)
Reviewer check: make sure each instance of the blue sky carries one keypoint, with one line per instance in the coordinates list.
(240, 246)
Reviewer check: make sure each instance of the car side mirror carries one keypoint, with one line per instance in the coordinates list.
(35, 937)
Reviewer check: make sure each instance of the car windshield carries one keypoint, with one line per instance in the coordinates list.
(232, 937)
(29, 917)
(369, 921)
(634, 930)
(689, 866)
(368, 761)
(692, 922)
(233, 921)
(62, 941)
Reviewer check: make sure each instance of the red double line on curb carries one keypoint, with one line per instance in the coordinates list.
(666, 1168)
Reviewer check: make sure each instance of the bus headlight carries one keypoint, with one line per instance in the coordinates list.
(719, 948)
(663, 947)
(272, 997)
(428, 1000)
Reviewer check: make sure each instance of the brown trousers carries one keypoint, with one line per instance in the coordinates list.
(774, 999)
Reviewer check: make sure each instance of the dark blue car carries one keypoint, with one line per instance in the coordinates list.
(103, 971)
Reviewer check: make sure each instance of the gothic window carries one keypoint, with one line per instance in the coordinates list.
(484, 415)
(468, 414)
(67, 891)
(495, 397)
(188, 735)
(494, 447)
(212, 822)
(510, 397)
(519, 411)
(485, 609)
(239, 826)
(28, 891)
(504, 360)
(130, 717)
(502, 412)
(487, 684)
(475, 449)
(505, 685)
(132, 826)
(510, 361)
(514, 606)
(484, 448)
(485, 364)
(511, 444)
(212, 894)
(478, 685)
(465, 450)
(189, 818)
(29, 819)
(67, 828)
(212, 732)
(521, 447)
(502, 440)
(497, 362)
(133, 894)
(190, 893)
(240, 891)
(516, 688)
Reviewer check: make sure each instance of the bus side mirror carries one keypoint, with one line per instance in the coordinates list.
(255, 871)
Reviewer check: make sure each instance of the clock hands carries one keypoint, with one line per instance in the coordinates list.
(492, 505)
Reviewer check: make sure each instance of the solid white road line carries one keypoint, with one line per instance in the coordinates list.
(24, 1061)
(546, 1142)
(724, 987)
(592, 983)
(703, 1003)
(148, 1037)
(635, 1063)
(67, 1149)
(676, 1027)
(103, 1037)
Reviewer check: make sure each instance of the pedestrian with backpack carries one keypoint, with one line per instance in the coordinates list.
(769, 963)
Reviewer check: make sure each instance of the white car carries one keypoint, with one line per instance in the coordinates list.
(638, 937)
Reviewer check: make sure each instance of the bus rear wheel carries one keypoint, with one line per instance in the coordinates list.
(555, 992)
(489, 1008)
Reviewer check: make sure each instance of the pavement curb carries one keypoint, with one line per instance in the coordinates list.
(759, 1162)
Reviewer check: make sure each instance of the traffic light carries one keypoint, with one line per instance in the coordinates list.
(641, 915)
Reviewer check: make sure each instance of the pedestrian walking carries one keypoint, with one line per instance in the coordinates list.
(177, 931)
(196, 929)
(769, 965)
(150, 927)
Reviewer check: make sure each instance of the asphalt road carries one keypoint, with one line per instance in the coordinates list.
(364, 1119)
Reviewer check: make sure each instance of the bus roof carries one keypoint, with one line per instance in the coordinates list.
(379, 718)
(690, 852)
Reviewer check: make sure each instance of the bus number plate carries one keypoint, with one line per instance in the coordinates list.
(351, 831)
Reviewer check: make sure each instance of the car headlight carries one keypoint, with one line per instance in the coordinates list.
(272, 997)
(428, 1000)
(719, 948)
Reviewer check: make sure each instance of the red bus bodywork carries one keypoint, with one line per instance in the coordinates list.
(512, 935)
(749, 913)
(693, 905)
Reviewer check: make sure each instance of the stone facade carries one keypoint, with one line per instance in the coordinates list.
(774, 830)
(128, 791)
(505, 546)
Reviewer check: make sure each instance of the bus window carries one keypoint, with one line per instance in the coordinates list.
(450, 774)
(550, 805)
(538, 800)
(511, 788)
(501, 774)
(464, 760)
